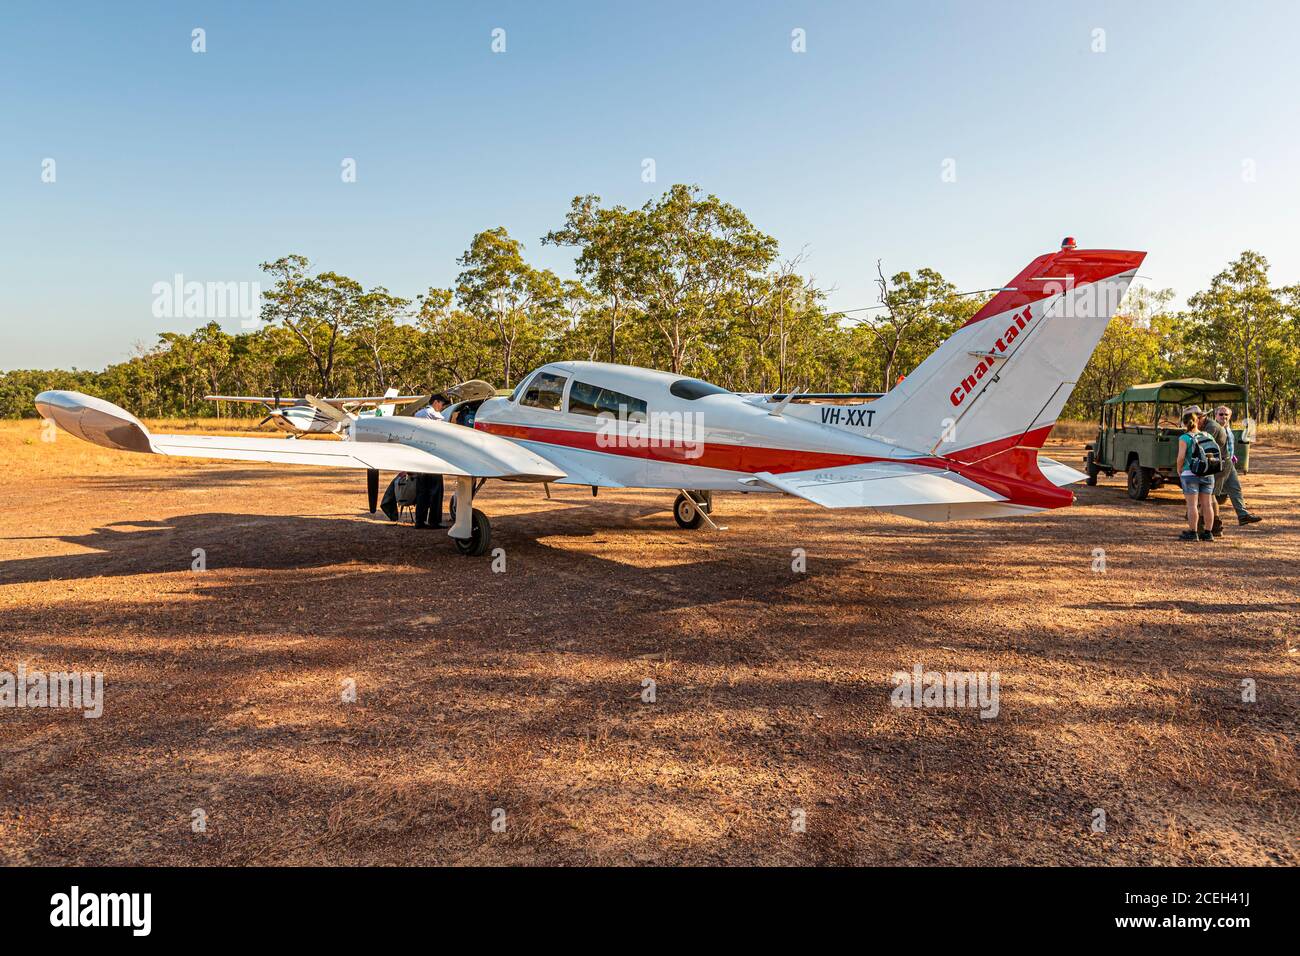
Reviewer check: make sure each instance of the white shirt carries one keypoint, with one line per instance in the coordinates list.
(429, 412)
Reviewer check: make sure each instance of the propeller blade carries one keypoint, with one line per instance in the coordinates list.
(372, 488)
(265, 420)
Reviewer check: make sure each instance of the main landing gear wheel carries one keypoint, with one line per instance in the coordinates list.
(1092, 469)
(688, 512)
(480, 538)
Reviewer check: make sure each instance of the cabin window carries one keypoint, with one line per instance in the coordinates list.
(514, 396)
(587, 399)
(693, 388)
(545, 391)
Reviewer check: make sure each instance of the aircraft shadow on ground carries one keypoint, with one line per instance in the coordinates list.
(332, 545)
(200, 480)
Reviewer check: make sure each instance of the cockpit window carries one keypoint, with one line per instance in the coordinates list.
(693, 388)
(545, 391)
(514, 396)
(587, 399)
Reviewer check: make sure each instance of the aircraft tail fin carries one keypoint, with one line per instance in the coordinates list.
(989, 395)
(387, 408)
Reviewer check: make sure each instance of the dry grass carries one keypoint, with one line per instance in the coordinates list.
(1073, 432)
(213, 425)
(521, 691)
(1278, 433)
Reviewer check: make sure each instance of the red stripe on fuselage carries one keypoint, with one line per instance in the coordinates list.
(979, 467)
(746, 458)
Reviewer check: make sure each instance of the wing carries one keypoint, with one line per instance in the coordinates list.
(460, 451)
(374, 400)
(380, 456)
(274, 402)
(880, 485)
(578, 472)
(282, 401)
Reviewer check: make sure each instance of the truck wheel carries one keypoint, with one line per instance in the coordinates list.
(1090, 466)
(1139, 482)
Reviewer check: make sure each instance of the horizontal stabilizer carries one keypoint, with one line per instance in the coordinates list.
(880, 485)
(1057, 473)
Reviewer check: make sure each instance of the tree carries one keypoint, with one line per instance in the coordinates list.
(1133, 349)
(607, 248)
(316, 309)
(1238, 321)
(679, 261)
(452, 342)
(375, 327)
(917, 314)
(520, 304)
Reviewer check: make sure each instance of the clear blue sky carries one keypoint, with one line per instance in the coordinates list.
(206, 164)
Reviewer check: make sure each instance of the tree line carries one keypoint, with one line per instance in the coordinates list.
(684, 283)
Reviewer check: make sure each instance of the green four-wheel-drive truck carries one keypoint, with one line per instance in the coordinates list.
(1139, 429)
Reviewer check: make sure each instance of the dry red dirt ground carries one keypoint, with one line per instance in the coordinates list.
(522, 691)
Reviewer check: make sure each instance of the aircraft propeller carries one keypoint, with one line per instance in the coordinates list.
(274, 410)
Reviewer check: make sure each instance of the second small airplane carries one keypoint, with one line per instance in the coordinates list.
(320, 416)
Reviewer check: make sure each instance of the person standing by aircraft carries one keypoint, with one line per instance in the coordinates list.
(428, 488)
(1230, 487)
(437, 402)
(1211, 521)
(1197, 489)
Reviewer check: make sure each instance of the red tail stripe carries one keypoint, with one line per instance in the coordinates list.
(1084, 266)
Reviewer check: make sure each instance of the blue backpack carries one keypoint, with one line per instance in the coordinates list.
(1203, 456)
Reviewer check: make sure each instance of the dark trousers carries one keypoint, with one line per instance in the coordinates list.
(428, 500)
(389, 504)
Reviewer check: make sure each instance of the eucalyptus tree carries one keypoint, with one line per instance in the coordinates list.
(521, 305)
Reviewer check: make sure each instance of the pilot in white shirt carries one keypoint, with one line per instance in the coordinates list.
(432, 410)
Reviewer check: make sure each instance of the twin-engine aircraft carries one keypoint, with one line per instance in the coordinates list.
(958, 438)
(310, 415)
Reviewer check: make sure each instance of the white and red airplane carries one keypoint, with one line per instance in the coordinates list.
(958, 438)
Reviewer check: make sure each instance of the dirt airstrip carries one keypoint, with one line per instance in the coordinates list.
(506, 717)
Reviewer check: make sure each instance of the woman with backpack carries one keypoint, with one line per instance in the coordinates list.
(1196, 476)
